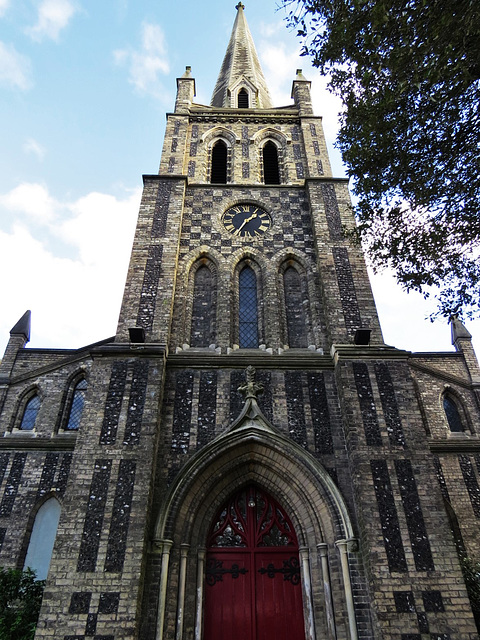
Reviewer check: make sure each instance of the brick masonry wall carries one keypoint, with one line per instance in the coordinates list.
(370, 416)
(403, 526)
(99, 557)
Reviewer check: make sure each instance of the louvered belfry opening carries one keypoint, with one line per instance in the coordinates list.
(271, 174)
(242, 99)
(219, 163)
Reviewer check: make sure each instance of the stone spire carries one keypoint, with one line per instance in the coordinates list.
(241, 67)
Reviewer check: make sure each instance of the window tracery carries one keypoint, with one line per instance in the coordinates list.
(248, 309)
(76, 406)
(452, 414)
(30, 413)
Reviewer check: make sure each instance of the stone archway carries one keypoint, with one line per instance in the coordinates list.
(254, 452)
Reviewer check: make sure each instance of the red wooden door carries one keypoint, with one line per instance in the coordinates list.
(253, 589)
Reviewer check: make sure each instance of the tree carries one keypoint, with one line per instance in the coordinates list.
(20, 600)
(408, 74)
(471, 574)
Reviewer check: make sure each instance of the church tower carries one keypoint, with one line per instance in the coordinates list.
(246, 459)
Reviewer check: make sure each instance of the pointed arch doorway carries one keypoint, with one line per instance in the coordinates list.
(253, 589)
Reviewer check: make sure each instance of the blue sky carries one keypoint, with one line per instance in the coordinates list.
(84, 88)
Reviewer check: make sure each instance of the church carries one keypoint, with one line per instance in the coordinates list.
(246, 459)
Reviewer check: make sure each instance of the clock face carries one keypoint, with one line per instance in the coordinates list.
(246, 221)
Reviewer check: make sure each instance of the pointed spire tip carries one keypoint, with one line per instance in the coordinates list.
(22, 327)
(458, 329)
(241, 69)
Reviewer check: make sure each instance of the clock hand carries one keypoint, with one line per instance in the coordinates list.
(254, 215)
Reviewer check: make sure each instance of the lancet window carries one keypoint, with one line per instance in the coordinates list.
(248, 308)
(202, 332)
(219, 163)
(76, 406)
(42, 538)
(271, 171)
(30, 413)
(294, 309)
(243, 99)
(452, 414)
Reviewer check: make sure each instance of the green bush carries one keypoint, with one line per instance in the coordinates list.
(20, 600)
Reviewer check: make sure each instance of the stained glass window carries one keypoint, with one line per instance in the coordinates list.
(76, 407)
(30, 414)
(40, 547)
(453, 416)
(248, 312)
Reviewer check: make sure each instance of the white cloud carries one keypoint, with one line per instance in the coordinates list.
(404, 317)
(4, 4)
(148, 62)
(102, 212)
(279, 65)
(14, 68)
(74, 301)
(32, 200)
(53, 16)
(31, 146)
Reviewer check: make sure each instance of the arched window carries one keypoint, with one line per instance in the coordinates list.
(248, 309)
(294, 309)
(219, 163)
(453, 415)
(271, 174)
(76, 406)
(30, 414)
(204, 308)
(40, 547)
(243, 99)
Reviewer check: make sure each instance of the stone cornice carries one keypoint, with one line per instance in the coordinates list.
(18, 442)
(326, 179)
(242, 359)
(163, 176)
(373, 352)
(458, 445)
(282, 117)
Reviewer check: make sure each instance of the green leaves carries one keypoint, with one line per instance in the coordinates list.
(471, 574)
(408, 74)
(20, 600)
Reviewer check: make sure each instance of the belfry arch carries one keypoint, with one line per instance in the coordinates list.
(252, 452)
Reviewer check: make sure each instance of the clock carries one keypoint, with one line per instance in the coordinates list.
(246, 221)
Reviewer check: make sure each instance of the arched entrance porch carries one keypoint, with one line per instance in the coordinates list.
(254, 453)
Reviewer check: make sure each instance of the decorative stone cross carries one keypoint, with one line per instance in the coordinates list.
(251, 388)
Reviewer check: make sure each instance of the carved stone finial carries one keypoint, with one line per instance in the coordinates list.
(240, 6)
(251, 388)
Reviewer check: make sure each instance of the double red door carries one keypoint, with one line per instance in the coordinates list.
(253, 589)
